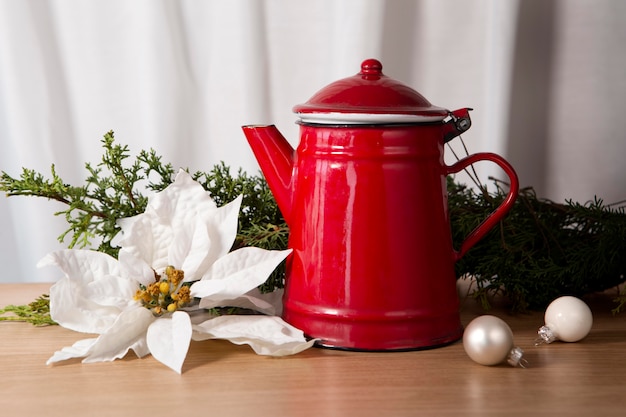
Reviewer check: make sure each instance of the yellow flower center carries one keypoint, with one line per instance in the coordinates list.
(167, 293)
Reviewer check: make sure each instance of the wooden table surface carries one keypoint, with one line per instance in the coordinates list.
(587, 378)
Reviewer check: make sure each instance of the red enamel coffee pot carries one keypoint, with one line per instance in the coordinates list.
(365, 198)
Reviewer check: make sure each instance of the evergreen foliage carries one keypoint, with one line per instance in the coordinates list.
(541, 249)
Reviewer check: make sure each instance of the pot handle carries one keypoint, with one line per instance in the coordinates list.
(481, 230)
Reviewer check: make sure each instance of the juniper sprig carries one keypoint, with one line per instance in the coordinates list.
(541, 249)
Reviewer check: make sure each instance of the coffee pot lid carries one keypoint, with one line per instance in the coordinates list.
(369, 97)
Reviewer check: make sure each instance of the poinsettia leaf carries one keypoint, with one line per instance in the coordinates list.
(168, 340)
(72, 304)
(235, 274)
(129, 328)
(267, 335)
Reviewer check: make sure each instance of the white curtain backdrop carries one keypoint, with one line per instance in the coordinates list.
(547, 80)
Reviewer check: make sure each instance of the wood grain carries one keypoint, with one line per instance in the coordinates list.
(576, 379)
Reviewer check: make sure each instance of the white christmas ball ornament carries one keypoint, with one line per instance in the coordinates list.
(567, 319)
(488, 340)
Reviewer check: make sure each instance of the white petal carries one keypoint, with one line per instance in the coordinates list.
(247, 302)
(82, 266)
(124, 224)
(267, 303)
(127, 332)
(180, 245)
(147, 238)
(77, 350)
(182, 200)
(112, 290)
(235, 274)
(140, 347)
(70, 309)
(222, 228)
(135, 268)
(72, 304)
(270, 304)
(190, 249)
(267, 335)
(213, 237)
(168, 339)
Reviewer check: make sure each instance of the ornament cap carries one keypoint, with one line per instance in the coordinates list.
(546, 335)
(516, 358)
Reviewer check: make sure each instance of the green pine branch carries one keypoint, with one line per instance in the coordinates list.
(37, 312)
(109, 193)
(542, 249)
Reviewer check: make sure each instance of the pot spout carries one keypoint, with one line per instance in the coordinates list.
(276, 159)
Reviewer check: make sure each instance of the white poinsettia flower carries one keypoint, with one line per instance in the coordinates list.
(174, 261)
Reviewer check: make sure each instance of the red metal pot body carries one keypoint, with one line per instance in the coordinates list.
(373, 262)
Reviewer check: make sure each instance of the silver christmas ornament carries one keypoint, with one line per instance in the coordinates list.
(488, 340)
(567, 319)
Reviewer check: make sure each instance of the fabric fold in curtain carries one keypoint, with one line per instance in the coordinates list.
(545, 79)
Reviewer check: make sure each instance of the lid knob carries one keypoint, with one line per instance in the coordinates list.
(371, 67)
